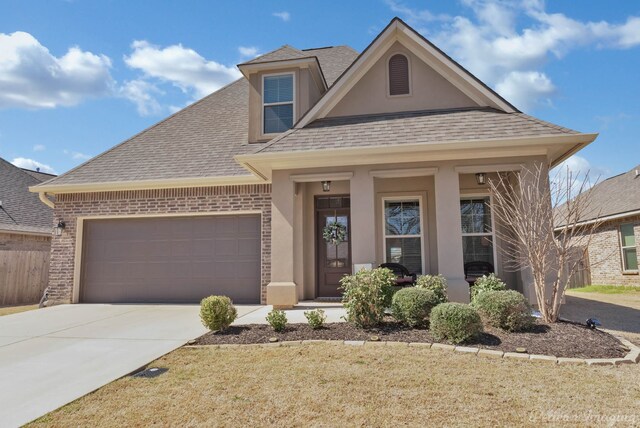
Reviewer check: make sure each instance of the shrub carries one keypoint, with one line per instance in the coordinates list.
(217, 312)
(455, 322)
(366, 295)
(277, 319)
(487, 283)
(435, 283)
(316, 318)
(506, 309)
(412, 306)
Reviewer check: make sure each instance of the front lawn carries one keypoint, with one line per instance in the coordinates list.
(333, 385)
(8, 310)
(606, 289)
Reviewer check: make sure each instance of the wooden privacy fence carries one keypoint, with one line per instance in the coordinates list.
(23, 276)
(582, 276)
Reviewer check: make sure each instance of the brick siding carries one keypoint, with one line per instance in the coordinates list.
(605, 256)
(163, 201)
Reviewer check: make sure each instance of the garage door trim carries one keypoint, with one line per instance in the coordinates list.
(77, 266)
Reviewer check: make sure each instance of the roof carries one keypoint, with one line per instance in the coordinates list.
(616, 195)
(198, 141)
(38, 175)
(411, 128)
(21, 210)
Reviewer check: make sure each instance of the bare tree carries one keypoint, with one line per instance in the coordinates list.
(544, 228)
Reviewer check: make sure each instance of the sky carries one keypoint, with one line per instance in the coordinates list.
(78, 77)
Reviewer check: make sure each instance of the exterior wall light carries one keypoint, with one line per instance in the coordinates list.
(326, 186)
(59, 228)
(481, 178)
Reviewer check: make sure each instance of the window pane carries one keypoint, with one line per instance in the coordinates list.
(630, 259)
(278, 89)
(278, 118)
(406, 251)
(477, 249)
(402, 218)
(626, 233)
(475, 215)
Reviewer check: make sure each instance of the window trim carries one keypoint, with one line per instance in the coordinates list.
(404, 198)
(622, 248)
(408, 76)
(493, 226)
(292, 102)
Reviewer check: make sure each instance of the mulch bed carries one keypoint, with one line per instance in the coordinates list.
(562, 339)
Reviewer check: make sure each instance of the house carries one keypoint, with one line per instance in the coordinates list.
(25, 235)
(613, 251)
(240, 193)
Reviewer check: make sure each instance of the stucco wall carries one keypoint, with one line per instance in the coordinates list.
(19, 242)
(168, 201)
(429, 90)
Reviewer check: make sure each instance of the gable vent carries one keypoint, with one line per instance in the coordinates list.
(398, 75)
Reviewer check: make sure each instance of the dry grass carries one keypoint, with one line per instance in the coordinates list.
(331, 385)
(8, 310)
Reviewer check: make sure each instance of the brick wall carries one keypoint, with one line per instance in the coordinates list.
(18, 242)
(163, 201)
(605, 256)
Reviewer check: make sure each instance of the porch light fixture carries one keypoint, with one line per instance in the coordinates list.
(481, 178)
(326, 186)
(59, 228)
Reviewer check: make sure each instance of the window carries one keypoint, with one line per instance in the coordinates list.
(628, 248)
(277, 101)
(398, 75)
(477, 230)
(403, 233)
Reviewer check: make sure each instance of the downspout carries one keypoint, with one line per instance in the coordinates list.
(45, 200)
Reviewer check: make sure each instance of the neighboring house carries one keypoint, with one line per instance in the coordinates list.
(233, 194)
(613, 251)
(25, 235)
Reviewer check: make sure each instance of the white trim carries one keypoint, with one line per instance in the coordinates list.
(77, 263)
(404, 198)
(494, 244)
(330, 176)
(292, 102)
(400, 173)
(388, 75)
(472, 169)
(623, 247)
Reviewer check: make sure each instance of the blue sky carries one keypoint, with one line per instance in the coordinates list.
(79, 76)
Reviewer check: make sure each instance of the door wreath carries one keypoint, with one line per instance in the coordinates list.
(334, 233)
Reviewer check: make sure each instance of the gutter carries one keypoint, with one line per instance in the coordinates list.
(600, 219)
(45, 200)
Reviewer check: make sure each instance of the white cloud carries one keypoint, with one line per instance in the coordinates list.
(284, 15)
(31, 77)
(494, 45)
(580, 169)
(39, 148)
(140, 92)
(76, 155)
(248, 51)
(32, 164)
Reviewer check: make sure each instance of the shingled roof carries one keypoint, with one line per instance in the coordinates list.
(21, 210)
(410, 128)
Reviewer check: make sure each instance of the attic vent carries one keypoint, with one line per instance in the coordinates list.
(398, 75)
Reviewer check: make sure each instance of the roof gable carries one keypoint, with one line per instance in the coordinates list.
(399, 31)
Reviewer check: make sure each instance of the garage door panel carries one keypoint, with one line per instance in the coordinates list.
(177, 259)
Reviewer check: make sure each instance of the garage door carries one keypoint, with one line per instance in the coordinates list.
(171, 259)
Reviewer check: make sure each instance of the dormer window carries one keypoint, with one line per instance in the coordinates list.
(277, 102)
(399, 75)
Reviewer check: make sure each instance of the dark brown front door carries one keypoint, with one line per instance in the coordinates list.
(333, 261)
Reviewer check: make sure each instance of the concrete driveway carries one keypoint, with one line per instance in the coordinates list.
(50, 357)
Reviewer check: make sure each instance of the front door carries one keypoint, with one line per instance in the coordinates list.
(333, 256)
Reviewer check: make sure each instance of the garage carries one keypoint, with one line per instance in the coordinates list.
(170, 259)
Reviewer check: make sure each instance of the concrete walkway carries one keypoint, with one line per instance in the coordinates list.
(50, 357)
(333, 311)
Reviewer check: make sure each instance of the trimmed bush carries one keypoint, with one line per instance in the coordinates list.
(435, 283)
(506, 309)
(217, 312)
(412, 306)
(315, 318)
(277, 319)
(455, 322)
(366, 295)
(487, 283)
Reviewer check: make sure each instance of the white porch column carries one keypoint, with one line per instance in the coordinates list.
(363, 244)
(281, 291)
(449, 233)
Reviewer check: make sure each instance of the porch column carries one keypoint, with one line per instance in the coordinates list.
(363, 245)
(281, 291)
(449, 233)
